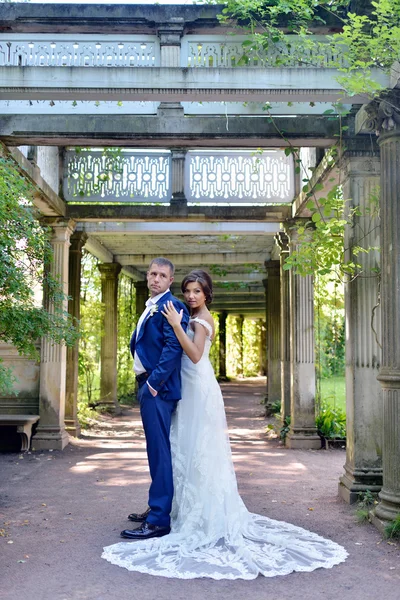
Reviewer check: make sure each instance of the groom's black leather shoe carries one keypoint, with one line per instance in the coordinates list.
(139, 517)
(147, 530)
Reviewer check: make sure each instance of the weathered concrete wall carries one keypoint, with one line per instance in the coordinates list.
(26, 372)
(47, 159)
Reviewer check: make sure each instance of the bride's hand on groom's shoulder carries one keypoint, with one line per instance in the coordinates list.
(173, 317)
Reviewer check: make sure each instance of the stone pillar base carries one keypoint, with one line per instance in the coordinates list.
(388, 508)
(354, 482)
(72, 427)
(50, 438)
(378, 523)
(112, 408)
(303, 441)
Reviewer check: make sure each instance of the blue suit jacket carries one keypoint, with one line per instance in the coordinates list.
(159, 350)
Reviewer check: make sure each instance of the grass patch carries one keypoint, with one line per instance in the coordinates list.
(333, 392)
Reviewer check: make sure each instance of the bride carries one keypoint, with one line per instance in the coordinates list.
(212, 532)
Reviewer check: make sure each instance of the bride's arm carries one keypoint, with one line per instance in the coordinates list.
(195, 349)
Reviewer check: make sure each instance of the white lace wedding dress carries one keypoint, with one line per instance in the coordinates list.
(212, 532)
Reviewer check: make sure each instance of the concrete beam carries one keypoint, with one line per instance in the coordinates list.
(238, 307)
(151, 131)
(232, 300)
(179, 228)
(232, 291)
(98, 250)
(45, 199)
(239, 278)
(118, 212)
(213, 258)
(176, 84)
(123, 18)
(133, 273)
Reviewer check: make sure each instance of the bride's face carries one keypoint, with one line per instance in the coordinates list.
(194, 295)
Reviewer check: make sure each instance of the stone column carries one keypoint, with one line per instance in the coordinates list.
(170, 35)
(363, 467)
(78, 240)
(283, 243)
(303, 432)
(386, 120)
(273, 334)
(178, 176)
(222, 344)
(142, 295)
(51, 433)
(108, 372)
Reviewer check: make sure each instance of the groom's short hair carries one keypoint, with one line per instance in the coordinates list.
(163, 262)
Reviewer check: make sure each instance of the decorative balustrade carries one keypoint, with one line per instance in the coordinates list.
(117, 176)
(212, 52)
(239, 176)
(105, 107)
(80, 107)
(63, 50)
(217, 176)
(78, 51)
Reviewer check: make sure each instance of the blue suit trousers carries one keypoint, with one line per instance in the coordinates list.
(156, 415)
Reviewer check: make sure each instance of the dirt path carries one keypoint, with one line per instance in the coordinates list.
(60, 508)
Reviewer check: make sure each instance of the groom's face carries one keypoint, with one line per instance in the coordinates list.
(159, 279)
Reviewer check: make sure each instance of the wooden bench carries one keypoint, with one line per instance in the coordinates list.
(24, 425)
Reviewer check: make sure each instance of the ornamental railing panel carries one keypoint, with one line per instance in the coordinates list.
(217, 52)
(74, 107)
(56, 50)
(242, 176)
(117, 176)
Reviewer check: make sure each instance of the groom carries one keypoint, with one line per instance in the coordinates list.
(157, 363)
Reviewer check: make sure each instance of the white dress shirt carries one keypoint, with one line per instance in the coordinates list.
(137, 364)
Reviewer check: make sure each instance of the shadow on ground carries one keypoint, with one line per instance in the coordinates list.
(58, 509)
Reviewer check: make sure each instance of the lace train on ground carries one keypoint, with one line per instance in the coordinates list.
(212, 533)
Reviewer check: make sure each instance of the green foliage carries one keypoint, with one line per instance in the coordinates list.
(331, 421)
(91, 328)
(320, 241)
(243, 341)
(251, 347)
(24, 249)
(92, 314)
(330, 326)
(333, 391)
(392, 529)
(214, 351)
(366, 501)
(275, 407)
(367, 40)
(234, 350)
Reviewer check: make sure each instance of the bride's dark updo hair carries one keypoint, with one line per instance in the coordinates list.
(203, 279)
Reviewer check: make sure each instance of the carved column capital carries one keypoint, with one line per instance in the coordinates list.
(170, 33)
(78, 240)
(383, 115)
(109, 270)
(61, 228)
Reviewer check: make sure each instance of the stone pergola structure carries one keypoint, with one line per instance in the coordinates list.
(161, 84)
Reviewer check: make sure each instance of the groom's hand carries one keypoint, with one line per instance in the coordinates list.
(153, 392)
